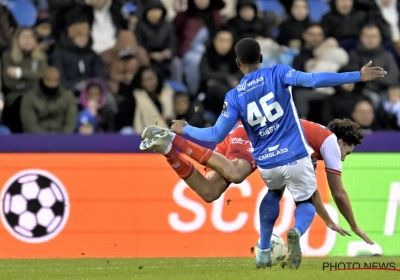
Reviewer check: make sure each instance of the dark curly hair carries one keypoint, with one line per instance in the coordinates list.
(347, 130)
(248, 51)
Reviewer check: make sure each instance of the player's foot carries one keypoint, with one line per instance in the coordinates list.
(294, 250)
(152, 130)
(145, 144)
(263, 258)
(159, 143)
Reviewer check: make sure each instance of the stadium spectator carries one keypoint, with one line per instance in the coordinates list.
(391, 103)
(3, 129)
(95, 109)
(218, 70)
(49, 108)
(150, 103)
(340, 105)
(106, 20)
(192, 112)
(7, 26)
(374, 16)
(22, 66)
(130, 13)
(157, 36)
(247, 23)
(363, 114)
(43, 33)
(292, 29)
(390, 13)
(76, 60)
(42, 5)
(371, 49)
(317, 55)
(23, 63)
(123, 61)
(343, 22)
(193, 29)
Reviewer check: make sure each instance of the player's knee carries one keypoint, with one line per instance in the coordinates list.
(210, 197)
(236, 177)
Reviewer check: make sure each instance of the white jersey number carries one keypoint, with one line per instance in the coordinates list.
(269, 114)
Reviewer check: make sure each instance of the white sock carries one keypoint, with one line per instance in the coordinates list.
(173, 134)
(168, 149)
(265, 250)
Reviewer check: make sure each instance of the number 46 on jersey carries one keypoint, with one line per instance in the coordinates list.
(272, 111)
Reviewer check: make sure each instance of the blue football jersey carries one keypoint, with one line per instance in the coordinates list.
(263, 101)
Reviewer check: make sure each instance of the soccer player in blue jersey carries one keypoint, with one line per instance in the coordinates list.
(263, 102)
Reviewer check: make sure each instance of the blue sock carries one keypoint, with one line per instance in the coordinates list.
(304, 215)
(269, 213)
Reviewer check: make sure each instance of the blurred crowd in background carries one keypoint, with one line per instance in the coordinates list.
(115, 66)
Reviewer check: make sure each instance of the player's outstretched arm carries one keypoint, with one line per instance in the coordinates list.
(226, 121)
(342, 201)
(329, 79)
(321, 211)
(214, 134)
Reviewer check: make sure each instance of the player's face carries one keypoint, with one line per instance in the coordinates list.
(344, 6)
(299, 10)
(345, 149)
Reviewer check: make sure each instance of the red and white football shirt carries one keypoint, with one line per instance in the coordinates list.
(325, 145)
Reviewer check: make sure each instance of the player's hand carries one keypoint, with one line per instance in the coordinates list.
(335, 227)
(362, 234)
(178, 125)
(369, 73)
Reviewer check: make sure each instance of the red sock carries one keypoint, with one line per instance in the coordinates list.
(196, 152)
(182, 167)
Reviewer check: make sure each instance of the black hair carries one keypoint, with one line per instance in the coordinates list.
(137, 80)
(370, 26)
(313, 24)
(248, 51)
(347, 130)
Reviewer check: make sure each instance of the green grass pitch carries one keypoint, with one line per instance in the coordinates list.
(185, 268)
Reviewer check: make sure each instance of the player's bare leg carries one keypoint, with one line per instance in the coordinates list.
(235, 171)
(210, 188)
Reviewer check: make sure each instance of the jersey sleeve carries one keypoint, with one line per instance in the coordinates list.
(330, 152)
(225, 122)
(291, 77)
(287, 74)
(230, 109)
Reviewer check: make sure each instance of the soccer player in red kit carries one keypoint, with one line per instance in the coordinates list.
(232, 162)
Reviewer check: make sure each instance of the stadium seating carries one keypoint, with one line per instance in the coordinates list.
(317, 9)
(24, 12)
(272, 6)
